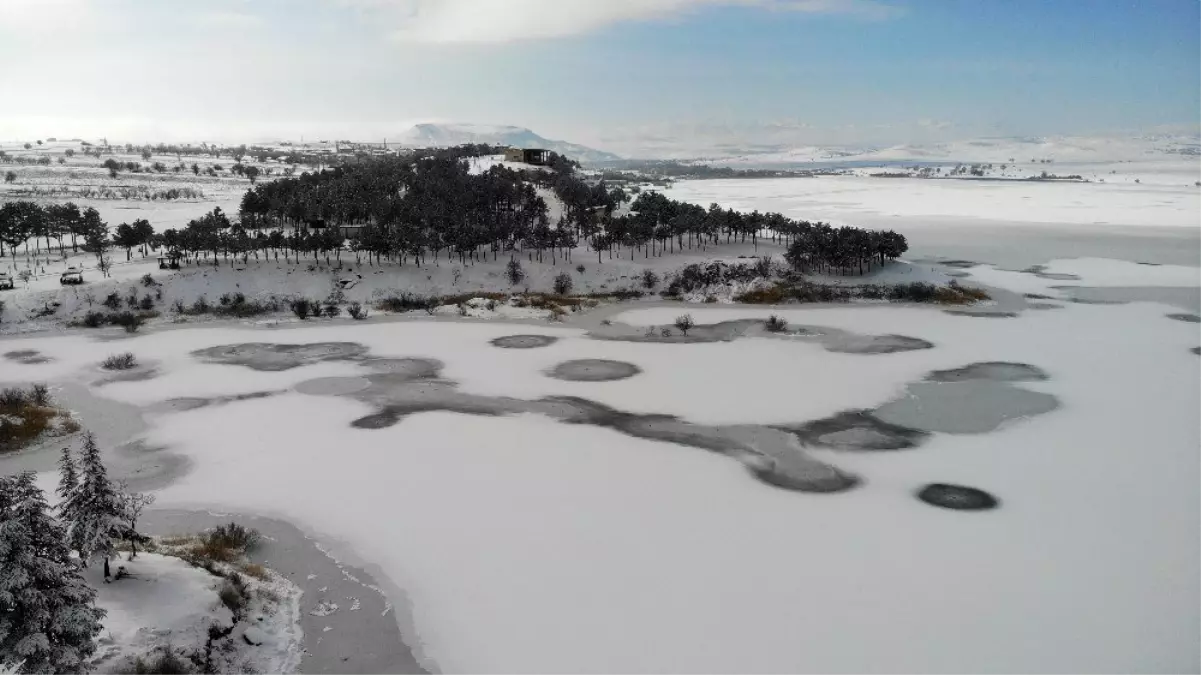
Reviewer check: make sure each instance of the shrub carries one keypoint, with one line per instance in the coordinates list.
(684, 323)
(147, 303)
(232, 598)
(300, 308)
(13, 397)
(201, 306)
(649, 279)
(94, 319)
(665, 332)
(39, 394)
(405, 302)
(163, 661)
(563, 283)
(513, 271)
(356, 311)
(764, 267)
(233, 536)
(128, 320)
(120, 362)
(775, 324)
(148, 280)
(112, 301)
(332, 310)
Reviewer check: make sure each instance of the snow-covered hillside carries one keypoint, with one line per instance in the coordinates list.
(1074, 149)
(434, 135)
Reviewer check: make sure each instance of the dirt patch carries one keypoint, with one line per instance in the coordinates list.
(28, 357)
(957, 497)
(524, 341)
(274, 357)
(593, 370)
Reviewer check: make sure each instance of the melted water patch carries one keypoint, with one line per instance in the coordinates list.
(28, 357)
(524, 341)
(593, 370)
(267, 356)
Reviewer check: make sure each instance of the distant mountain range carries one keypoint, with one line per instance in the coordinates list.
(445, 135)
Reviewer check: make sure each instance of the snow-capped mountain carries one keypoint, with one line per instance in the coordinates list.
(437, 135)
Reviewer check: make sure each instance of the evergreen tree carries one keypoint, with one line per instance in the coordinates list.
(48, 617)
(68, 477)
(68, 483)
(93, 513)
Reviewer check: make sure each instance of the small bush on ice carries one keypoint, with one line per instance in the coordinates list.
(120, 362)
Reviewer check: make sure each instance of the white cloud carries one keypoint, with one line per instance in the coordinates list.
(498, 21)
(33, 19)
(228, 19)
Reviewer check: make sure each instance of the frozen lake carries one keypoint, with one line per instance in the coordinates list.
(582, 497)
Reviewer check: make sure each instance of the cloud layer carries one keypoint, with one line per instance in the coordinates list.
(500, 21)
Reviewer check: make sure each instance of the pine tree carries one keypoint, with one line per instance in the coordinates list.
(48, 617)
(68, 477)
(93, 512)
(68, 483)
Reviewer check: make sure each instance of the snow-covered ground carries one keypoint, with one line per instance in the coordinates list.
(1160, 200)
(167, 603)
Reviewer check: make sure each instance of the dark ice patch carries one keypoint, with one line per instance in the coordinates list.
(593, 370)
(957, 497)
(269, 357)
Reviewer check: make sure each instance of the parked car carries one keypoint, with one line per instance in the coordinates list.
(72, 275)
(6, 281)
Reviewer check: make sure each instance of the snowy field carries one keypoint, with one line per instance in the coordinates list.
(1161, 198)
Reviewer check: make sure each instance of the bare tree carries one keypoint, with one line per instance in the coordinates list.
(684, 323)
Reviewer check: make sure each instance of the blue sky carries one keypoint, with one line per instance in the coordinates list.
(620, 74)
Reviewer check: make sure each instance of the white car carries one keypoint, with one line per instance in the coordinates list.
(6, 281)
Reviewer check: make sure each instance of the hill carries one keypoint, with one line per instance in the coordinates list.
(446, 135)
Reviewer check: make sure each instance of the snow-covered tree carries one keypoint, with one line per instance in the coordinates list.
(68, 483)
(93, 513)
(68, 477)
(48, 617)
(132, 505)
